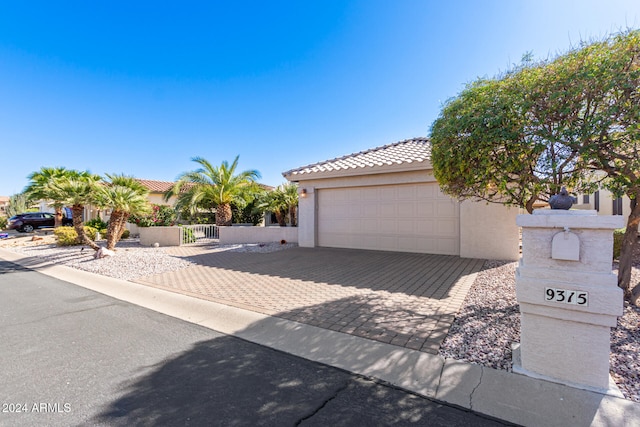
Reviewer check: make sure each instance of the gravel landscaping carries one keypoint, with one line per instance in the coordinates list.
(489, 321)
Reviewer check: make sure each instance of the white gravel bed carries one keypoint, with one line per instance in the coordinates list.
(489, 321)
(131, 260)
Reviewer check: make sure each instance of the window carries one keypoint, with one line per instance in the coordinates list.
(596, 201)
(585, 199)
(617, 206)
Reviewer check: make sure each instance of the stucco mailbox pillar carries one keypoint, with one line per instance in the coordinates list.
(568, 296)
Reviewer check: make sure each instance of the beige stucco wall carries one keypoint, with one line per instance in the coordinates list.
(488, 231)
(250, 234)
(164, 236)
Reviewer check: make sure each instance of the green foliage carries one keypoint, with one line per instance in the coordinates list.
(96, 223)
(618, 236)
(161, 215)
(67, 236)
(125, 234)
(3, 222)
(522, 136)
(18, 203)
(188, 236)
(210, 186)
(282, 202)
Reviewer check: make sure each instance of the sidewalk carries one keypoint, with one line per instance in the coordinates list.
(512, 397)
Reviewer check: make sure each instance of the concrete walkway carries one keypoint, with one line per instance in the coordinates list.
(408, 300)
(508, 396)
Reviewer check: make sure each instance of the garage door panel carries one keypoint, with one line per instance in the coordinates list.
(408, 217)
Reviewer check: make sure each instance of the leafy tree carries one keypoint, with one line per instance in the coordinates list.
(77, 191)
(247, 209)
(124, 196)
(218, 186)
(522, 136)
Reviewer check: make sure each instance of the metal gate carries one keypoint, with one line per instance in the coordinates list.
(199, 234)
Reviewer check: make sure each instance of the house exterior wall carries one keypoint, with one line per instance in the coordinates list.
(605, 204)
(251, 234)
(488, 231)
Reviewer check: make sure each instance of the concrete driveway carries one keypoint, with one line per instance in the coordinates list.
(404, 299)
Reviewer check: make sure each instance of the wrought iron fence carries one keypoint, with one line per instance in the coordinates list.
(198, 234)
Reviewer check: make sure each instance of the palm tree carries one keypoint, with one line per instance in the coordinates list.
(76, 190)
(217, 186)
(282, 201)
(275, 201)
(39, 187)
(125, 197)
(291, 199)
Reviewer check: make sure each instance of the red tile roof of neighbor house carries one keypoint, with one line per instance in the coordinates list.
(407, 151)
(156, 186)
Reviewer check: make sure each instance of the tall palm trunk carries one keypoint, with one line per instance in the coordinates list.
(79, 227)
(113, 229)
(58, 217)
(224, 215)
(292, 215)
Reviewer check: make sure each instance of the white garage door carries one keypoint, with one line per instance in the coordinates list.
(404, 218)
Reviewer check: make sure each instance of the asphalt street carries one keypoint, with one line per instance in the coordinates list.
(70, 356)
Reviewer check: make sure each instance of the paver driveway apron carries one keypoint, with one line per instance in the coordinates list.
(403, 299)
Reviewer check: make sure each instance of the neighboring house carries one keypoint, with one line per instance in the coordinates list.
(387, 198)
(4, 203)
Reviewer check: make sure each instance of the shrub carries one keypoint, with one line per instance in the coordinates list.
(618, 235)
(3, 222)
(188, 236)
(161, 215)
(96, 223)
(125, 234)
(67, 236)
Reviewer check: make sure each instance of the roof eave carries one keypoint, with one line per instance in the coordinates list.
(368, 170)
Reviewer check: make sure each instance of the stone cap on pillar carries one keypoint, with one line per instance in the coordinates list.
(556, 218)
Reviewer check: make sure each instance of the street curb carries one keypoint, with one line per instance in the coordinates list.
(512, 397)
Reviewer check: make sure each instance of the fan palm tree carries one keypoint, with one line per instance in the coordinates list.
(76, 190)
(217, 186)
(125, 197)
(39, 187)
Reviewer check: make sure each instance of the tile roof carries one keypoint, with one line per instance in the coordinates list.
(407, 151)
(156, 186)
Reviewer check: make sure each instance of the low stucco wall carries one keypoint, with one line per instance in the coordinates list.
(232, 235)
(488, 231)
(164, 236)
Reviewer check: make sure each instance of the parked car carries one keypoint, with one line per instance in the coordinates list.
(29, 221)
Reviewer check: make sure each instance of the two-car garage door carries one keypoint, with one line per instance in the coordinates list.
(404, 218)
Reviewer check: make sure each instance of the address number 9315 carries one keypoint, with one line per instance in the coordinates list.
(566, 296)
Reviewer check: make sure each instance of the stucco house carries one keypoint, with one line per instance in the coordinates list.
(4, 203)
(387, 198)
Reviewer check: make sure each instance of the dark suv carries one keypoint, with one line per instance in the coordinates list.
(29, 221)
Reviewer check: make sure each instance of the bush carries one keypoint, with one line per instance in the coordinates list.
(125, 234)
(3, 222)
(161, 215)
(67, 236)
(96, 223)
(618, 235)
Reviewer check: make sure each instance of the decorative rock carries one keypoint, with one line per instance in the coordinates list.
(103, 252)
(156, 245)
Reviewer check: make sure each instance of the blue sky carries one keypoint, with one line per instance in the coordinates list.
(142, 87)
